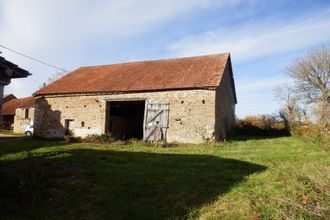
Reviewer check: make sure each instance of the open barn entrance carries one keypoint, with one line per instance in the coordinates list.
(125, 119)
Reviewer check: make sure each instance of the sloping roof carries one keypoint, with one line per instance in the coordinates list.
(8, 97)
(9, 108)
(169, 74)
(9, 70)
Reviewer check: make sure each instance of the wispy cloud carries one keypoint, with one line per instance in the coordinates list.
(262, 37)
(257, 85)
(255, 95)
(39, 25)
(66, 33)
(259, 38)
(250, 43)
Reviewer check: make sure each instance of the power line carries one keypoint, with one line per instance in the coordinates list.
(34, 59)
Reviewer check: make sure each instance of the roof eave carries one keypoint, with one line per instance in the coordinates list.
(121, 92)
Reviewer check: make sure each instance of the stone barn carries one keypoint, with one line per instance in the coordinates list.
(188, 100)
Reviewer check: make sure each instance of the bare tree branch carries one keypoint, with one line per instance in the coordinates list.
(311, 74)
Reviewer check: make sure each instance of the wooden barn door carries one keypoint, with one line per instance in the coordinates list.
(156, 121)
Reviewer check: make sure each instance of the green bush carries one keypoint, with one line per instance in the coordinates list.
(314, 134)
(99, 139)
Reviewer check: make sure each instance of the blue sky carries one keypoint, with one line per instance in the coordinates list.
(262, 36)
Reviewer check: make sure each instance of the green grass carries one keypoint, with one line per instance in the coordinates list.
(278, 178)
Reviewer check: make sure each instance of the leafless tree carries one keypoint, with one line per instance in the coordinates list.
(290, 112)
(311, 74)
(56, 76)
(53, 78)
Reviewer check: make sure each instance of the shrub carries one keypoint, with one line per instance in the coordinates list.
(69, 138)
(314, 134)
(99, 139)
(263, 125)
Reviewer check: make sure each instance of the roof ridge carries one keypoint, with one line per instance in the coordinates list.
(155, 60)
(19, 99)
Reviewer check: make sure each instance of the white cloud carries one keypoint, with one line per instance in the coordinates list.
(255, 95)
(39, 25)
(258, 39)
(252, 42)
(256, 85)
(62, 32)
(19, 88)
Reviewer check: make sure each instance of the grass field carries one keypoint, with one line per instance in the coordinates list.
(274, 178)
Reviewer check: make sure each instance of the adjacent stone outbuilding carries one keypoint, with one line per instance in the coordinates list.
(190, 100)
(17, 114)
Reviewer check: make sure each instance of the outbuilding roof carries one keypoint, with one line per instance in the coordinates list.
(9, 107)
(9, 70)
(8, 97)
(169, 74)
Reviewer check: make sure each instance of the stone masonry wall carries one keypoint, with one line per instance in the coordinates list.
(191, 116)
(225, 107)
(20, 122)
(1, 103)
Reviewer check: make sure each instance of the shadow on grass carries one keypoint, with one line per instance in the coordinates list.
(20, 144)
(5, 139)
(95, 184)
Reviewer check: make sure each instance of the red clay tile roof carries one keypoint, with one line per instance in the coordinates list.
(9, 108)
(169, 74)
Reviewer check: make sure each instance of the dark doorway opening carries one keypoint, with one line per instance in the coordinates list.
(125, 119)
(68, 125)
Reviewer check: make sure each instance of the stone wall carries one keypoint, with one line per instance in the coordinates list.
(225, 107)
(1, 102)
(20, 121)
(191, 118)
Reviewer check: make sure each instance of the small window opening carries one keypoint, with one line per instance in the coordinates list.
(203, 101)
(182, 102)
(82, 124)
(85, 106)
(26, 113)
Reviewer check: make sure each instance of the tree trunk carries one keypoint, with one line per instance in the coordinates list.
(324, 112)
